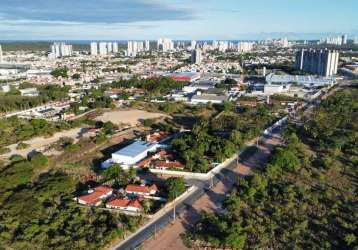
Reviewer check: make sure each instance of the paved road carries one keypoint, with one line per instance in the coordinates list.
(226, 175)
(212, 199)
(203, 198)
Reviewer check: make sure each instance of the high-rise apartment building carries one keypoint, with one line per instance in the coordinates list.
(60, 50)
(115, 47)
(94, 49)
(147, 45)
(338, 40)
(196, 56)
(245, 47)
(223, 46)
(193, 44)
(103, 48)
(165, 44)
(320, 62)
(109, 47)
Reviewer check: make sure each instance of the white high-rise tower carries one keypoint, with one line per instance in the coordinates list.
(193, 44)
(147, 45)
(103, 48)
(94, 49)
(115, 47)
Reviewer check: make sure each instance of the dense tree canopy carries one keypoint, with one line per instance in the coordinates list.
(306, 198)
(153, 86)
(37, 211)
(218, 139)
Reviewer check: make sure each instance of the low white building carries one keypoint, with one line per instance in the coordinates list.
(271, 89)
(204, 98)
(5, 88)
(131, 154)
(29, 92)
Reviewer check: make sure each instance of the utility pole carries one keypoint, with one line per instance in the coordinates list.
(174, 207)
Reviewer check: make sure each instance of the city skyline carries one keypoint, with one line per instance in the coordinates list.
(179, 20)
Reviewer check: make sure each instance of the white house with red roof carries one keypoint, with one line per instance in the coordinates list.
(125, 204)
(95, 196)
(168, 165)
(142, 190)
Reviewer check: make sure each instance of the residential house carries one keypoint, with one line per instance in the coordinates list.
(95, 196)
(125, 204)
(142, 190)
(168, 165)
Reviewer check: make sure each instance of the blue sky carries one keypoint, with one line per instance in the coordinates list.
(177, 19)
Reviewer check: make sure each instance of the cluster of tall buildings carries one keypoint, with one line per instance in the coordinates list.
(281, 42)
(319, 62)
(222, 46)
(338, 40)
(165, 44)
(180, 45)
(1, 56)
(133, 47)
(245, 46)
(104, 48)
(62, 49)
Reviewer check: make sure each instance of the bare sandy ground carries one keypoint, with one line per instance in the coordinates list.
(131, 117)
(41, 143)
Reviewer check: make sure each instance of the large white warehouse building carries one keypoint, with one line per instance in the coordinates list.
(131, 154)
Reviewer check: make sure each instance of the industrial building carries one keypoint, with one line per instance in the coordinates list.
(185, 76)
(131, 154)
(305, 81)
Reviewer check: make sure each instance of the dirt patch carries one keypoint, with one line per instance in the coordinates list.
(131, 116)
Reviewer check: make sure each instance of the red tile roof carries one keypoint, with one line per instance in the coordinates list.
(163, 153)
(169, 164)
(90, 199)
(157, 136)
(141, 189)
(103, 189)
(144, 163)
(125, 203)
(94, 197)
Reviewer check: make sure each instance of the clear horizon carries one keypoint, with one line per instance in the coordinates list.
(179, 20)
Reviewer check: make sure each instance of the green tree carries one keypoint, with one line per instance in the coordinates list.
(60, 72)
(76, 76)
(175, 187)
(39, 160)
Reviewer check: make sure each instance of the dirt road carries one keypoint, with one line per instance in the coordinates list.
(169, 237)
(41, 143)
